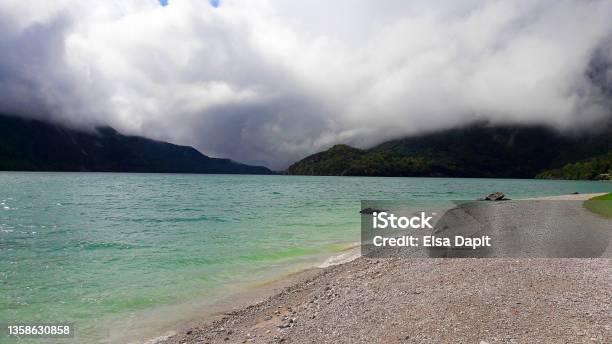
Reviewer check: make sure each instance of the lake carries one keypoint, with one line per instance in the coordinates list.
(131, 255)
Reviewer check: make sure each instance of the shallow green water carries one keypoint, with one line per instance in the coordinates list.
(128, 255)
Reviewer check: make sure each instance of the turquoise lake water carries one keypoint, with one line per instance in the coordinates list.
(126, 256)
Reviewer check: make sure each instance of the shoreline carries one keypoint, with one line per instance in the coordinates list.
(257, 292)
(289, 310)
(571, 197)
(359, 302)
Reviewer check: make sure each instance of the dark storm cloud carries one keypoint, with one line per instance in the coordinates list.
(28, 58)
(261, 133)
(271, 81)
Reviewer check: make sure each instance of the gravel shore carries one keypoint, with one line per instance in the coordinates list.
(421, 300)
(429, 301)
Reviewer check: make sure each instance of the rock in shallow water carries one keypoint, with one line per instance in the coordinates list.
(371, 211)
(496, 196)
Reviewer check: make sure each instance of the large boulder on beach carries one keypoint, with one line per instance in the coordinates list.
(496, 196)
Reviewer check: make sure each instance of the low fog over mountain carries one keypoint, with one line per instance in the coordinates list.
(268, 82)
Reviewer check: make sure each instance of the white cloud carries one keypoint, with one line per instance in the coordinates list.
(271, 81)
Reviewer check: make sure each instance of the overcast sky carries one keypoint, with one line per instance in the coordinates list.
(269, 82)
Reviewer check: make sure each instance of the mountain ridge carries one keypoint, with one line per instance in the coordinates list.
(595, 168)
(35, 145)
(478, 150)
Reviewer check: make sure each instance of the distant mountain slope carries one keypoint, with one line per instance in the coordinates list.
(475, 151)
(335, 161)
(32, 145)
(597, 168)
